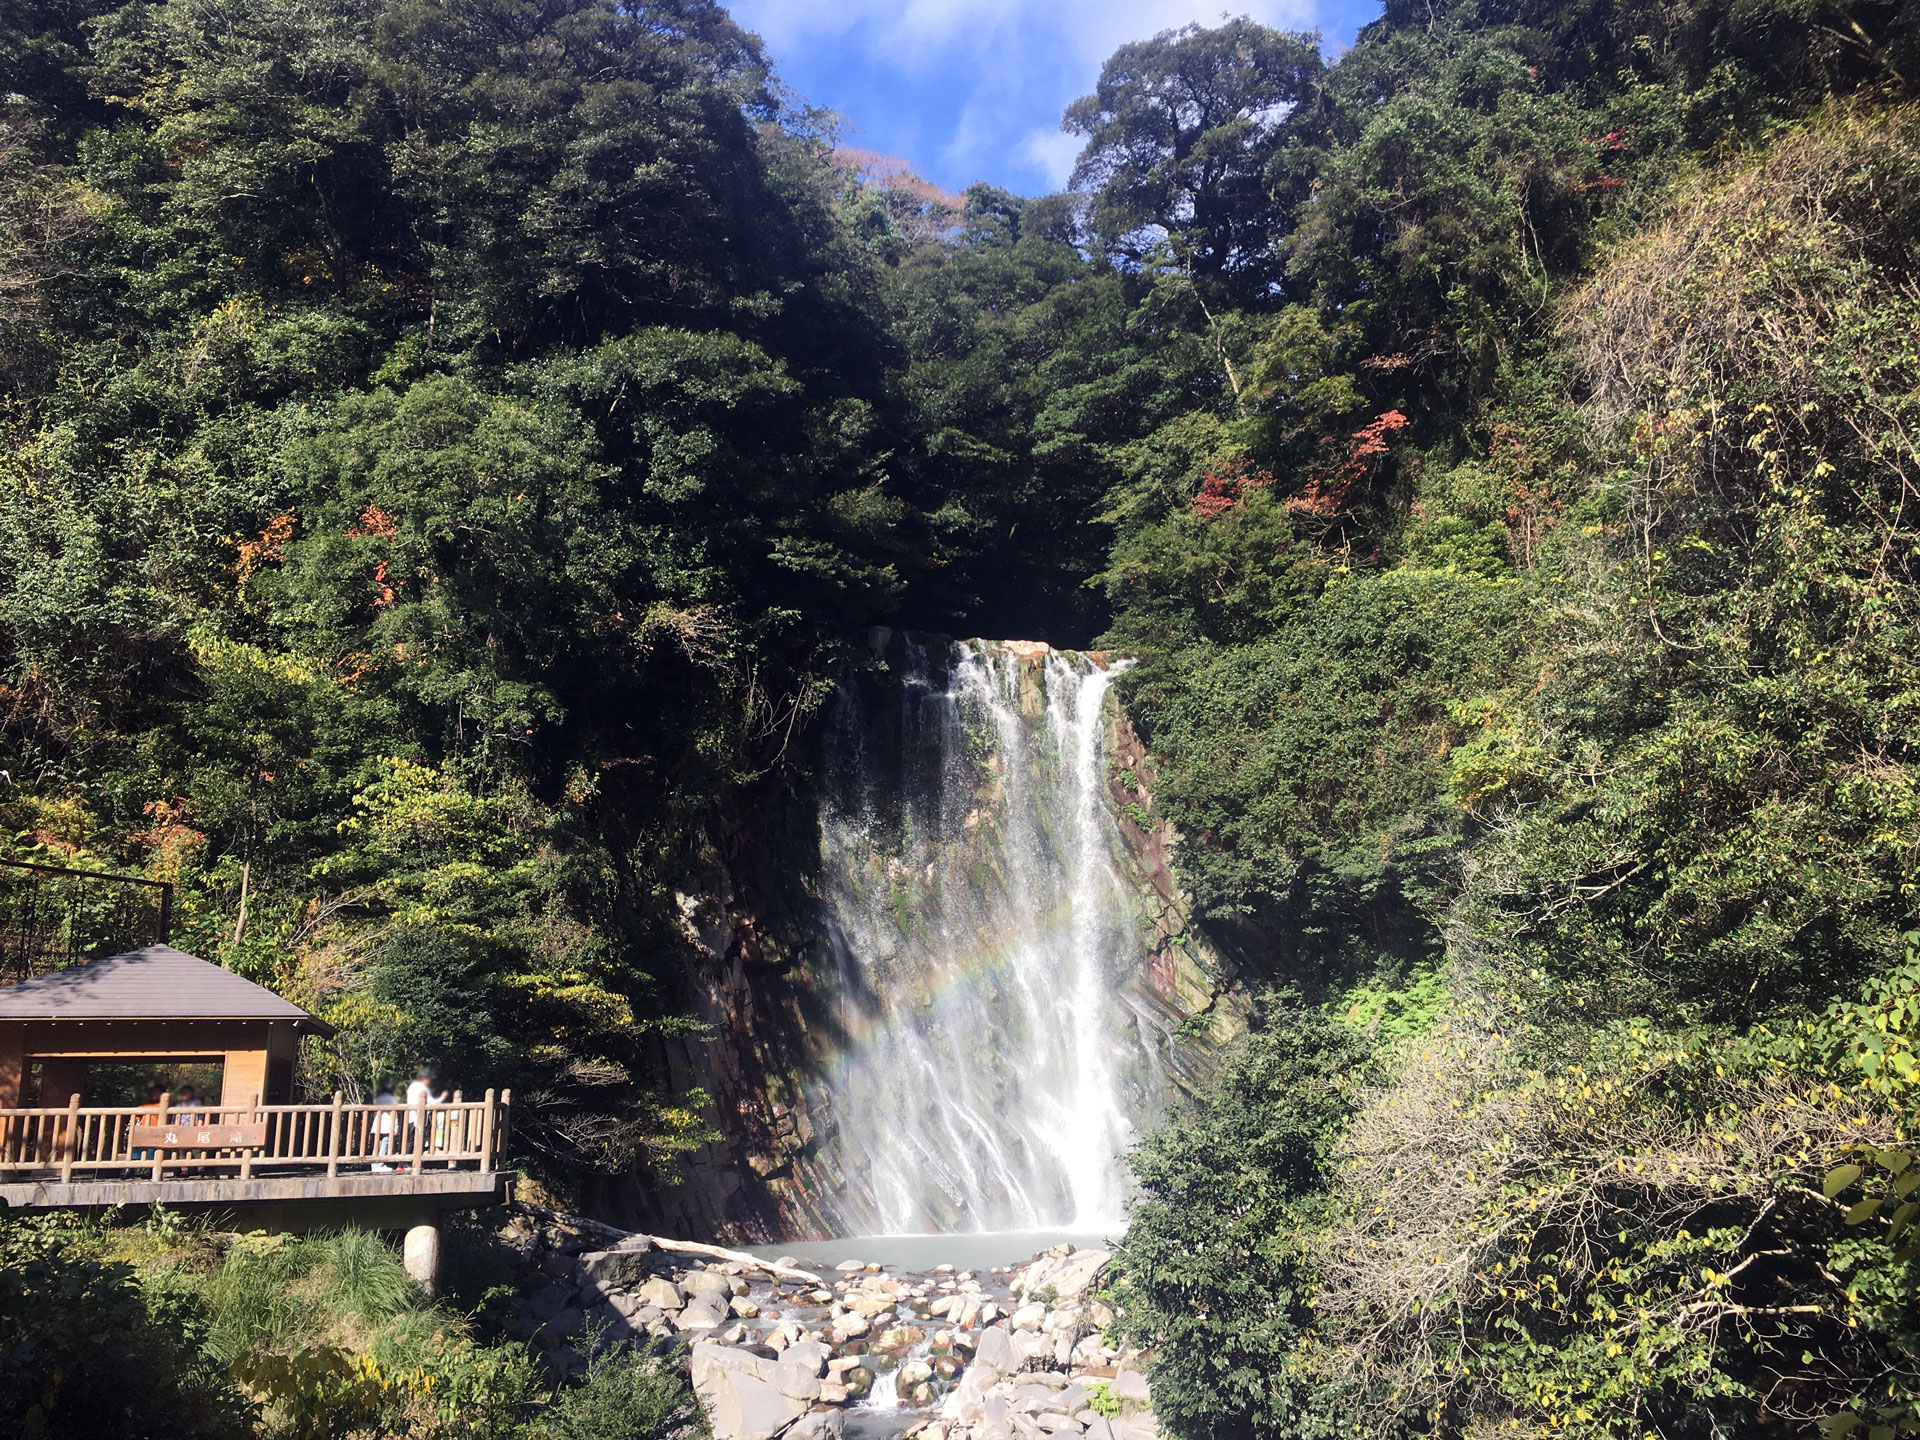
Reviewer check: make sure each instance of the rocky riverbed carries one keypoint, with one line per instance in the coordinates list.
(776, 1348)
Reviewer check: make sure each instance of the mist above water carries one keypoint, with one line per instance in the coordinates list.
(980, 924)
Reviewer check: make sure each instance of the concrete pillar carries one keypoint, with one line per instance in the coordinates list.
(420, 1256)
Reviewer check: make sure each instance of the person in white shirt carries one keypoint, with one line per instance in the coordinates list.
(383, 1128)
(419, 1096)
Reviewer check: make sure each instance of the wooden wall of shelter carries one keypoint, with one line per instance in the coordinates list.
(257, 1055)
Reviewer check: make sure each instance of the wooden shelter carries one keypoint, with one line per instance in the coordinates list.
(155, 1005)
(251, 1156)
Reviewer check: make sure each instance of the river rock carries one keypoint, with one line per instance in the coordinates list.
(662, 1293)
(743, 1307)
(848, 1266)
(1029, 1317)
(704, 1313)
(913, 1372)
(1132, 1385)
(850, 1327)
(741, 1394)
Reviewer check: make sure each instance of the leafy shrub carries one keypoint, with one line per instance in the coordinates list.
(1216, 1269)
(625, 1395)
(87, 1351)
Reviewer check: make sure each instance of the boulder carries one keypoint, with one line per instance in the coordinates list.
(807, 1354)
(605, 1317)
(1076, 1272)
(740, 1394)
(819, 1425)
(662, 1293)
(914, 1372)
(995, 1356)
(1029, 1317)
(1053, 1424)
(1132, 1385)
(556, 1330)
(550, 1302)
(705, 1282)
(1032, 1399)
(799, 1382)
(614, 1269)
(1030, 1347)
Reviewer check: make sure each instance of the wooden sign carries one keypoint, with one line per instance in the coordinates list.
(197, 1137)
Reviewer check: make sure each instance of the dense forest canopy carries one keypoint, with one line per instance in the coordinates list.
(451, 445)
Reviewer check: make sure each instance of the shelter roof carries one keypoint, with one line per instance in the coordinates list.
(155, 983)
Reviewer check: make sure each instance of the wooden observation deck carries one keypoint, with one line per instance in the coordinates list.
(252, 1157)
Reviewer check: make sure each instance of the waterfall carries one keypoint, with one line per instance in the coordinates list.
(987, 1075)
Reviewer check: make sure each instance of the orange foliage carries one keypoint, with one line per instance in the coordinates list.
(375, 523)
(1326, 493)
(1226, 484)
(269, 549)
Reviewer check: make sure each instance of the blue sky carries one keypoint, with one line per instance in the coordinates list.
(967, 90)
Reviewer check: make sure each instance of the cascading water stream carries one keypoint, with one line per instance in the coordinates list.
(988, 1076)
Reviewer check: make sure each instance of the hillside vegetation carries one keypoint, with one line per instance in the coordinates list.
(450, 446)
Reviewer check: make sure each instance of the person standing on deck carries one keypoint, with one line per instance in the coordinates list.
(156, 1101)
(419, 1096)
(383, 1127)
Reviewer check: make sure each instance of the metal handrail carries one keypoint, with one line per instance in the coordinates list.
(29, 942)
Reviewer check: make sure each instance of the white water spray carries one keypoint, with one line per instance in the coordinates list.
(988, 1077)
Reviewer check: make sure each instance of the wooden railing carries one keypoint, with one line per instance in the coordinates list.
(147, 1141)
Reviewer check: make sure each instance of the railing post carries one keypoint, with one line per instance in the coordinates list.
(246, 1158)
(505, 1132)
(73, 1138)
(486, 1134)
(333, 1139)
(159, 1151)
(419, 1134)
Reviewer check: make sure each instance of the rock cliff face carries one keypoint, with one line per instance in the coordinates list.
(835, 927)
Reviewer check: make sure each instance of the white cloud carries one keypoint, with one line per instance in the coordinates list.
(1052, 153)
(1016, 62)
